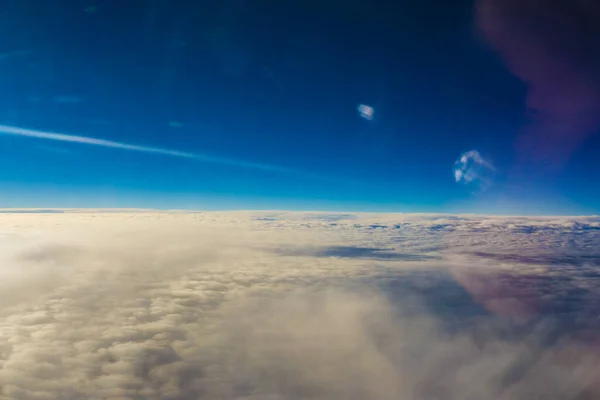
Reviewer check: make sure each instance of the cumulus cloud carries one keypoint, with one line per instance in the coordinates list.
(292, 306)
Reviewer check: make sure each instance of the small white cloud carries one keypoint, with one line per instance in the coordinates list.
(458, 174)
(365, 111)
(472, 169)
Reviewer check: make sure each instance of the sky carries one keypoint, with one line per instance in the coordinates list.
(256, 105)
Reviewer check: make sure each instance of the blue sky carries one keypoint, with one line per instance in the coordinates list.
(254, 106)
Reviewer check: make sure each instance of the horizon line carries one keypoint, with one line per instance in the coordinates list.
(101, 210)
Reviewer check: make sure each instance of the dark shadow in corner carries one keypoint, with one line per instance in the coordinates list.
(563, 308)
(364, 253)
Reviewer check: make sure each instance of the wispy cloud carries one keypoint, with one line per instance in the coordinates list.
(15, 54)
(472, 169)
(68, 98)
(61, 137)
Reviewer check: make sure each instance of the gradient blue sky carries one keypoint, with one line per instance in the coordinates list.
(271, 83)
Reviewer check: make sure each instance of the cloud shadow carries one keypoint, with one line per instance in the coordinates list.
(357, 252)
(546, 259)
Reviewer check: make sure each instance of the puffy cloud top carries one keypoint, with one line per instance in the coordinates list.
(295, 305)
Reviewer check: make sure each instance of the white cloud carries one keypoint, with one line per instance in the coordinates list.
(182, 306)
(365, 111)
(471, 168)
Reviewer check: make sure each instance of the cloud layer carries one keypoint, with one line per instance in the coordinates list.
(295, 306)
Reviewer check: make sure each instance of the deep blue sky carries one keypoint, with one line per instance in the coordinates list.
(270, 82)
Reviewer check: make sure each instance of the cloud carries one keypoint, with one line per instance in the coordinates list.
(68, 99)
(13, 130)
(365, 111)
(472, 169)
(181, 306)
(15, 54)
(175, 124)
(553, 47)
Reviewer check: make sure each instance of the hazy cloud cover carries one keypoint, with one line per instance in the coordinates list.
(276, 305)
